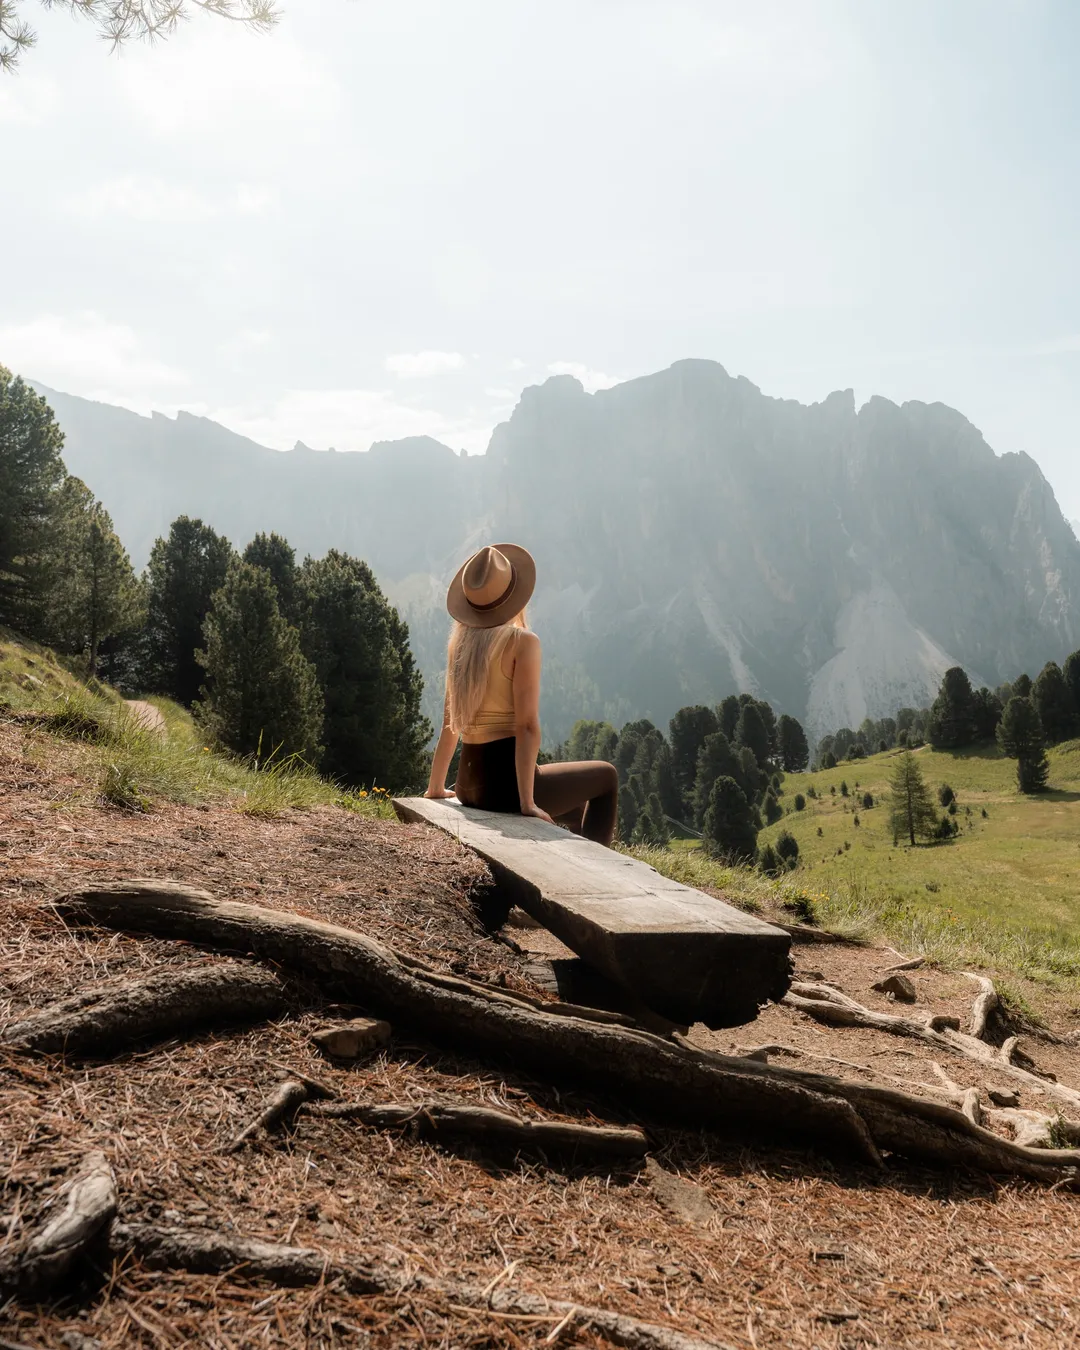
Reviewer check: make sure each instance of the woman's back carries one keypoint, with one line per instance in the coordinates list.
(494, 718)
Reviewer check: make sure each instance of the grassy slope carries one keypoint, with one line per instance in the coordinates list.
(132, 768)
(1005, 892)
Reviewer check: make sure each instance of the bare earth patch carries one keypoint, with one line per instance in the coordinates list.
(790, 1250)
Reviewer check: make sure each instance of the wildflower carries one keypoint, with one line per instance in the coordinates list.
(206, 749)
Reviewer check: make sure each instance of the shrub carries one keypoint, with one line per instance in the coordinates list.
(843, 788)
(945, 794)
(800, 802)
(820, 832)
(812, 791)
(867, 801)
(768, 861)
(773, 809)
(787, 848)
(855, 820)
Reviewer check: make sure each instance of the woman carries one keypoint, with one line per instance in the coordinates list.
(492, 704)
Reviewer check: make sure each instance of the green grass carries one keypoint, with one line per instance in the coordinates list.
(132, 768)
(1005, 892)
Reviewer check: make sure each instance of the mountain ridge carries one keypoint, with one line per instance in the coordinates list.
(693, 536)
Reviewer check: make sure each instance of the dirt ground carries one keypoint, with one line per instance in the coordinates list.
(791, 1250)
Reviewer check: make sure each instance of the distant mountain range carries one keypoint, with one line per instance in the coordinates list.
(693, 537)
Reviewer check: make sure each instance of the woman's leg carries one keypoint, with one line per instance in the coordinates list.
(590, 785)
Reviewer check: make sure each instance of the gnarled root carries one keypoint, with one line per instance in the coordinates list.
(42, 1263)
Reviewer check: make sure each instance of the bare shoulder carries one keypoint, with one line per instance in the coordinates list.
(527, 640)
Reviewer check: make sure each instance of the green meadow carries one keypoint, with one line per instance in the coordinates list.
(1004, 892)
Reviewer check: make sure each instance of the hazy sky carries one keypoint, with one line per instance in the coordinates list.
(390, 215)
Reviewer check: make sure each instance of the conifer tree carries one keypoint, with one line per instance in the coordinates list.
(727, 716)
(1071, 673)
(630, 738)
(279, 558)
(687, 732)
(31, 476)
(753, 734)
(988, 709)
(185, 570)
(1054, 703)
(750, 778)
(794, 750)
(651, 828)
(911, 808)
(716, 759)
(952, 717)
(1021, 737)
(93, 592)
(1021, 687)
(729, 828)
(787, 848)
(263, 694)
(374, 731)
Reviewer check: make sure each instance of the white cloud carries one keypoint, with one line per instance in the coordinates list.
(415, 365)
(1065, 346)
(154, 199)
(516, 364)
(351, 419)
(87, 354)
(591, 379)
(229, 84)
(28, 99)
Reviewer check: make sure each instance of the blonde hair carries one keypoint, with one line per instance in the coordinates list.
(469, 656)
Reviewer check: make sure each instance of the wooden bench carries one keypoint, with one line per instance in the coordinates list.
(686, 955)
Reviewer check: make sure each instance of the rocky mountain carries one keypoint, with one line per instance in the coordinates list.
(693, 536)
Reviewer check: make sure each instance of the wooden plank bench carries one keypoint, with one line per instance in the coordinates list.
(686, 955)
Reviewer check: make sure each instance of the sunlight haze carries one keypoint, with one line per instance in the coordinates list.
(385, 220)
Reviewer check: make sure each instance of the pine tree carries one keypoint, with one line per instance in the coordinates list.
(952, 717)
(185, 570)
(773, 809)
(629, 738)
(988, 709)
(1021, 737)
(93, 593)
(687, 732)
(263, 695)
(1021, 687)
(716, 759)
(374, 731)
(794, 750)
(753, 734)
(729, 827)
(1054, 703)
(911, 809)
(1071, 673)
(727, 716)
(651, 828)
(31, 476)
(279, 558)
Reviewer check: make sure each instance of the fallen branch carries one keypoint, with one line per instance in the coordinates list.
(288, 1097)
(668, 1079)
(434, 1120)
(203, 1253)
(41, 1264)
(835, 1009)
(101, 1022)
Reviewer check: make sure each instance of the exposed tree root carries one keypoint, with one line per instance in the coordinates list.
(434, 1120)
(287, 1098)
(41, 1264)
(828, 1005)
(206, 1253)
(668, 1079)
(986, 1019)
(101, 1022)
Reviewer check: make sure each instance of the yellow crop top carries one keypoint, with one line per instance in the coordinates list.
(495, 716)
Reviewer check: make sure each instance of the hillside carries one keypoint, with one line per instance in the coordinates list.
(694, 536)
(728, 1243)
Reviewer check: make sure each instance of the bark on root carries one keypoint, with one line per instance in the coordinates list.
(287, 1098)
(204, 1253)
(101, 1022)
(857, 1120)
(830, 1006)
(41, 1264)
(436, 1120)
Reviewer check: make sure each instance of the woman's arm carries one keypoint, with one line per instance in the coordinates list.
(444, 753)
(527, 720)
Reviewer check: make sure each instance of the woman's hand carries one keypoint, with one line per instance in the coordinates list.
(538, 811)
(438, 792)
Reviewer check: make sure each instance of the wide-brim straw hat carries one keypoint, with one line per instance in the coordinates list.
(493, 586)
